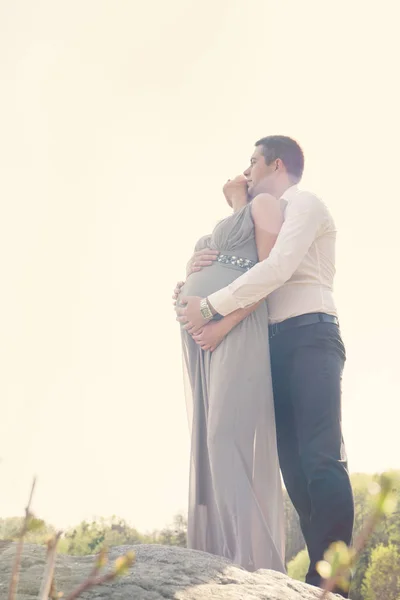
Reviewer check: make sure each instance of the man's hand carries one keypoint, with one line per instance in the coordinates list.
(210, 336)
(236, 189)
(189, 314)
(201, 259)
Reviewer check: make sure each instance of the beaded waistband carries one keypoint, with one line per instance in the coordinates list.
(242, 263)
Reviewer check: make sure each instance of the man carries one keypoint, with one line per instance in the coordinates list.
(307, 353)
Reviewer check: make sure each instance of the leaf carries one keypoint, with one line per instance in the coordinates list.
(339, 554)
(324, 569)
(102, 558)
(123, 563)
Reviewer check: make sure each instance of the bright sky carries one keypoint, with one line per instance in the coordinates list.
(120, 121)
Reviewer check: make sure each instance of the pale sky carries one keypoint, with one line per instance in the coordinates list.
(119, 123)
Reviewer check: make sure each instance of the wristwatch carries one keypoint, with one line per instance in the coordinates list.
(206, 310)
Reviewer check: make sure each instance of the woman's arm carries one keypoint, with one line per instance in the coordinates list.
(268, 219)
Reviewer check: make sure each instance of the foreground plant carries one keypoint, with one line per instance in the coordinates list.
(48, 589)
(121, 567)
(28, 524)
(339, 559)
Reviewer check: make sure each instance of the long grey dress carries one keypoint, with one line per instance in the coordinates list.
(235, 496)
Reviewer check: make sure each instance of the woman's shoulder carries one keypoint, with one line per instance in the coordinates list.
(263, 200)
(264, 206)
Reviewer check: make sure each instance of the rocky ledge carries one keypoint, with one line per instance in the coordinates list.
(160, 573)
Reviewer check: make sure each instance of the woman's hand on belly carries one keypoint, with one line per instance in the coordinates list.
(200, 259)
(211, 335)
(177, 291)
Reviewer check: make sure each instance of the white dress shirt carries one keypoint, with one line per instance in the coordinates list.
(297, 277)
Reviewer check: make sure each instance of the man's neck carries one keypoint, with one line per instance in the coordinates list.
(281, 189)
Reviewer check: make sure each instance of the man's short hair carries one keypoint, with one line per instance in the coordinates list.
(288, 150)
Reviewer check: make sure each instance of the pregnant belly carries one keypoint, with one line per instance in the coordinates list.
(210, 280)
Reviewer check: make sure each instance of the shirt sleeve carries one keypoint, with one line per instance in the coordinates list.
(304, 218)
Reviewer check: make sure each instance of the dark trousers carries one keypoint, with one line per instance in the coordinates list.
(307, 364)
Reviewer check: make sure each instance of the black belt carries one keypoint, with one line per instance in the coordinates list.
(300, 321)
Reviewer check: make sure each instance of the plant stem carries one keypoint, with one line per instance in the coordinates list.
(358, 546)
(17, 562)
(49, 568)
(89, 583)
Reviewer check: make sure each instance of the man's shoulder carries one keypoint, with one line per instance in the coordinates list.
(306, 196)
(306, 200)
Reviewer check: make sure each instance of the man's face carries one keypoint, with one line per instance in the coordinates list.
(260, 176)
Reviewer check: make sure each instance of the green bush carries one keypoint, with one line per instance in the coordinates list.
(382, 579)
(298, 566)
(89, 537)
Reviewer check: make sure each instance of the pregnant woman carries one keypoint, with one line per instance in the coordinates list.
(235, 496)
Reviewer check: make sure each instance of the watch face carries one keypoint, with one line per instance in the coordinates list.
(205, 310)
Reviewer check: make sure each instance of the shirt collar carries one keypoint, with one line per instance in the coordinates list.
(290, 193)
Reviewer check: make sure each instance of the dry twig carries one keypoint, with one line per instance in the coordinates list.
(17, 562)
(121, 565)
(48, 577)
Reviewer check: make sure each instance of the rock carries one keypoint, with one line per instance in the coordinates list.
(160, 573)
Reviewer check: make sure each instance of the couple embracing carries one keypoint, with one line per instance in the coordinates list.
(263, 362)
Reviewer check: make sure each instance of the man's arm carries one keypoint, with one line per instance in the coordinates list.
(236, 317)
(212, 334)
(303, 220)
